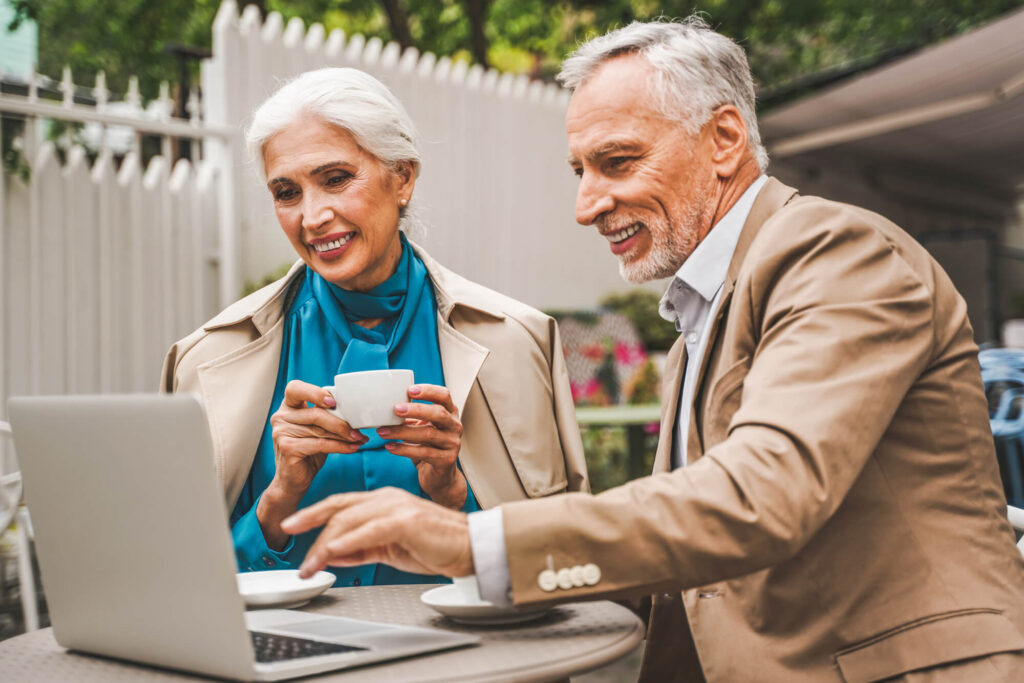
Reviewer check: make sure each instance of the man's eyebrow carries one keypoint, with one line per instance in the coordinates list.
(612, 147)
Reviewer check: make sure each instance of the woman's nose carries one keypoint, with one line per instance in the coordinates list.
(315, 210)
(592, 200)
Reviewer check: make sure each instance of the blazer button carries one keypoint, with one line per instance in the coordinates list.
(591, 574)
(564, 579)
(547, 580)
(576, 574)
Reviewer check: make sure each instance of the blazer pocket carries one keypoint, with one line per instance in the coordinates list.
(723, 401)
(931, 641)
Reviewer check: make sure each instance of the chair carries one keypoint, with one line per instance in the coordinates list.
(1004, 389)
(1000, 357)
(1016, 517)
(11, 512)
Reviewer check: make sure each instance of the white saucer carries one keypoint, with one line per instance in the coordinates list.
(448, 600)
(281, 588)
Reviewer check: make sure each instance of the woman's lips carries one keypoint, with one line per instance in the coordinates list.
(332, 248)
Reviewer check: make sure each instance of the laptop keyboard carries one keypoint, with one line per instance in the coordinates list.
(271, 647)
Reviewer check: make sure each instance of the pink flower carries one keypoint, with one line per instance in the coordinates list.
(629, 354)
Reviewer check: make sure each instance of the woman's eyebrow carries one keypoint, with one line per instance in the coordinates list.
(325, 167)
(319, 169)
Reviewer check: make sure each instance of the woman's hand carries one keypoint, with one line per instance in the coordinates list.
(303, 437)
(388, 525)
(431, 437)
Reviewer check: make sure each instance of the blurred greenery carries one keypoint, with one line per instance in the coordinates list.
(785, 39)
(251, 286)
(608, 459)
(641, 307)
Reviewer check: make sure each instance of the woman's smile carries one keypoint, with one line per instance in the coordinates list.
(332, 247)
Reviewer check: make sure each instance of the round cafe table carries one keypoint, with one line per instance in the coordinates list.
(568, 640)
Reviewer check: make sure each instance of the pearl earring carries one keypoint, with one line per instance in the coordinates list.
(403, 201)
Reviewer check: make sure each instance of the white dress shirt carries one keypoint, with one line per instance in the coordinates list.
(691, 302)
(692, 299)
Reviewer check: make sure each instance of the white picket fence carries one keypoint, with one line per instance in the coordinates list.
(102, 264)
(103, 268)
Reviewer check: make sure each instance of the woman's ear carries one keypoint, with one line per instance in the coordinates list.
(405, 174)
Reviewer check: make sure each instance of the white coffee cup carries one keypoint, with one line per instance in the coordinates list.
(468, 589)
(368, 398)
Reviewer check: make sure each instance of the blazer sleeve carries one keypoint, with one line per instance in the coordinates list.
(840, 326)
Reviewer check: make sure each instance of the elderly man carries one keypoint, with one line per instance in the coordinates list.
(826, 503)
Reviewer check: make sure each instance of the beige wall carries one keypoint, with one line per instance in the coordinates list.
(949, 215)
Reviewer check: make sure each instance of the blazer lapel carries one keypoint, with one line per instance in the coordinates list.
(671, 383)
(461, 358)
(769, 200)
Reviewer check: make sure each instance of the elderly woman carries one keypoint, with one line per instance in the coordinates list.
(490, 418)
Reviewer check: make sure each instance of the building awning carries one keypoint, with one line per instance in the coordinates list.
(955, 107)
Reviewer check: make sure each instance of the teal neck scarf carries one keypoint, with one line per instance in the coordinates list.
(396, 301)
(321, 340)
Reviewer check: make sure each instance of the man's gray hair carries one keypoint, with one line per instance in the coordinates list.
(696, 70)
(350, 99)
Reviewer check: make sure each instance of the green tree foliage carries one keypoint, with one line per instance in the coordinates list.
(784, 38)
(121, 37)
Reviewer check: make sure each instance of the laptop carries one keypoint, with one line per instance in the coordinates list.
(133, 544)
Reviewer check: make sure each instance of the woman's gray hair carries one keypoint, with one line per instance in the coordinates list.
(350, 99)
(695, 71)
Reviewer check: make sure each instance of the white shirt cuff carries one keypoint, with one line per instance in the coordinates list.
(487, 540)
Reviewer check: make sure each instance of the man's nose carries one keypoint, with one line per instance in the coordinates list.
(592, 200)
(315, 210)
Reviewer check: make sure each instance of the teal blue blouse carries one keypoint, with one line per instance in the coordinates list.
(319, 342)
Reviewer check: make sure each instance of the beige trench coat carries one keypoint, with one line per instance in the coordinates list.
(502, 361)
(841, 516)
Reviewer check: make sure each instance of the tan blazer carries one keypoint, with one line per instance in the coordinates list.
(502, 363)
(840, 517)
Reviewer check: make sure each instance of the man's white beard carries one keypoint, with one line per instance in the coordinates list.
(671, 245)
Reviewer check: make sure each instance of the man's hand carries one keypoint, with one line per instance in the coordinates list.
(390, 526)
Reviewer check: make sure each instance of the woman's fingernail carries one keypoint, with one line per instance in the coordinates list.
(384, 431)
(329, 401)
(401, 408)
(415, 390)
(390, 446)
